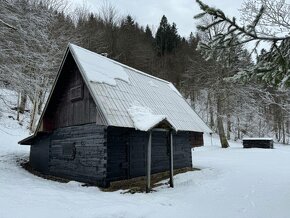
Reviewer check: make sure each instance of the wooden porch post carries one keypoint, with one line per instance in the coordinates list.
(148, 187)
(171, 159)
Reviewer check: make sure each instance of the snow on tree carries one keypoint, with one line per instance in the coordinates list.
(32, 53)
(263, 21)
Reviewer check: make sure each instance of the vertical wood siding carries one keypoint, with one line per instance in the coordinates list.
(127, 152)
(71, 103)
(182, 150)
(197, 139)
(117, 146)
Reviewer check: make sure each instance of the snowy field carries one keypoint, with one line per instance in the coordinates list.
(233, 183)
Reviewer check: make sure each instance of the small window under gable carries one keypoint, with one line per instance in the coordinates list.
(77, 93)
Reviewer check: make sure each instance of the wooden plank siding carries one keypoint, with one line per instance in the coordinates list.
(138, 153)
(127, 152)
(117, 148)
(71, 103)
(182, 150)
(76, 144)
(197, 139)
(160, 152)
(76, 152)
(258, 143)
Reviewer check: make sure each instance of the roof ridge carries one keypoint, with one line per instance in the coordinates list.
(123, 65)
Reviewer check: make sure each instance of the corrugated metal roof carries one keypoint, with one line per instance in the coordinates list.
(154, 93)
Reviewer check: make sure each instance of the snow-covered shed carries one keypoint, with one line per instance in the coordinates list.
(105, 121)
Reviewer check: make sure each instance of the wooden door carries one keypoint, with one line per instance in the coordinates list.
(160, 152)
(137, 154)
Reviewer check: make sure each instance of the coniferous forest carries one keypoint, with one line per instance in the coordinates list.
(34, 35)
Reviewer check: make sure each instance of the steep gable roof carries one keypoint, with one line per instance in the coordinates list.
(118, 88)
(126, 97)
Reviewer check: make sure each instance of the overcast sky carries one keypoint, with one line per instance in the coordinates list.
(179, 11)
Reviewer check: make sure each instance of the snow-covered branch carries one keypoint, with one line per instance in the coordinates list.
(273, 66)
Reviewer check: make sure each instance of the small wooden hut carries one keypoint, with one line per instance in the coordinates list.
(258, 143)
(104, 121)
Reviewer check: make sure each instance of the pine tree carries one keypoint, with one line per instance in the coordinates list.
(167, 37)
(260, 18)
(148, 33)
(162, 36)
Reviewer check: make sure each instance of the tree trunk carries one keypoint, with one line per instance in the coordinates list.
(287, 131)
(228, 127)
(192, 98)
(18, 106)
(239, 131)
(41, 98)
(211, 123)
(34, 112)
(283, 133)
(22, 99)
(221, 130)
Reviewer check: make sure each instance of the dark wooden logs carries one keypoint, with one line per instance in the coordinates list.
(128, 147)
(197, 139)
(79, 153)
(258, 143)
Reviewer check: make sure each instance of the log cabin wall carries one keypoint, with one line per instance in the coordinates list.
(79, 153)
(71, 103)
(127, 149)
(39, 153)
(182, 150)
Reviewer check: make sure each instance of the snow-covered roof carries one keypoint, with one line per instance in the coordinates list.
(143, 117)
(116, 88)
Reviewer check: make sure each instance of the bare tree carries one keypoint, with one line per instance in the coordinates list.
(7, 25)
(30, 55)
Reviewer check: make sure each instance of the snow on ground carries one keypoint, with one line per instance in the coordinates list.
(233, 183)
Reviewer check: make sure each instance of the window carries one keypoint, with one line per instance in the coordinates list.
(76, 93)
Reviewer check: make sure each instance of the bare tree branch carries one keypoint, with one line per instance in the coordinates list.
(7, 25)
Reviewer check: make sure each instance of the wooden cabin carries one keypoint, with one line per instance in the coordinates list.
(258, 143)
(105, 121)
